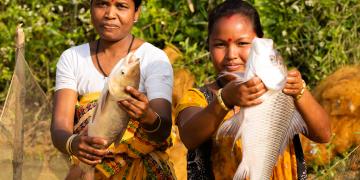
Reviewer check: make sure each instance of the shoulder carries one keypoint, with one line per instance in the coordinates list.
(191, 98)
(81, 50)
(73, 55)
(150, 52)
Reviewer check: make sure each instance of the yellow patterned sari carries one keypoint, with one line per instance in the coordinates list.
(136, 157)
(217, 160)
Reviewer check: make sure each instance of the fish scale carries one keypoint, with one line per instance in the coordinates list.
(274, 123)
(264, 129)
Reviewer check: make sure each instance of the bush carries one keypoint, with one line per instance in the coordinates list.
(50, 28)
(315, 36)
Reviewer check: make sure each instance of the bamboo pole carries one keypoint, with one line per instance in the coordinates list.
(19, 107)
(191, 6)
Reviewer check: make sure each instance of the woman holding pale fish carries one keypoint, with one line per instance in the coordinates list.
(253, 99)
(119, 90)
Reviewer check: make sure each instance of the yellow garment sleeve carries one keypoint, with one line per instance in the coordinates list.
(192, 97)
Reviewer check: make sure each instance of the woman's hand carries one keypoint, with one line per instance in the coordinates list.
(243, 94)
(294, 83)
(89, 150)
(138, 107)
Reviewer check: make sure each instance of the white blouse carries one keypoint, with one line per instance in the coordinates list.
(75, 70)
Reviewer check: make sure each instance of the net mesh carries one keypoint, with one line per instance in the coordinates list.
(25, 142)
(345, 168)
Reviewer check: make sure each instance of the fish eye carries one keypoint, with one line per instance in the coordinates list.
(122, 72)
(273, 59)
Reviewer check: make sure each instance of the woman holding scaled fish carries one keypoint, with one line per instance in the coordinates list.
(96, 70)
(233, 27)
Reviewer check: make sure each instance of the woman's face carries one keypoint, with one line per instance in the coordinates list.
(230, 43)
(113, 19)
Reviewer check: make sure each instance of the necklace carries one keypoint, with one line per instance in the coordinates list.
(97, 58)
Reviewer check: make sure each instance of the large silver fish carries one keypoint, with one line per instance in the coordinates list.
(264, 129)
(109, 121)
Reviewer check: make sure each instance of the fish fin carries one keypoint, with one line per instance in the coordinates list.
(242, 171)
(238, 76)
(119, 137)
(101, 103)
(230, 127)
(156, 158)
(297, 125)
(239, 131)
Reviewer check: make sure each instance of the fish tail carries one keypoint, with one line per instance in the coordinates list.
(87, 171)
(230, 127)
(242, 171)
(90, 175)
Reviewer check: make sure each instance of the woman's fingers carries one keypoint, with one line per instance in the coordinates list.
(256, 95)
(253, 81)
(90, 150)
(294, 83)
(257, 88)
(90, 162)
(253, 102)
(133, 109)
(136, 94)
(89, 156)
(137, 106)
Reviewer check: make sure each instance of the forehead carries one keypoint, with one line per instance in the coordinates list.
(235, 24)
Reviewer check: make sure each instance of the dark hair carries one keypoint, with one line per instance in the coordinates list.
(231, 7)
(137, 4)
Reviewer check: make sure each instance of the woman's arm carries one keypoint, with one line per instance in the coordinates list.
(163, 108)
(62, 128)
(196, 124)
(315, 117)
(63, 117)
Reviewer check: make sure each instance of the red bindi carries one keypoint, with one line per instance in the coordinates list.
(229, 40)
(230, 16)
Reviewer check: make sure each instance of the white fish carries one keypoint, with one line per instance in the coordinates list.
(109, 121)
(264, 129)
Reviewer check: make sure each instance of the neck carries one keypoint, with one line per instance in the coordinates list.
(115, 48)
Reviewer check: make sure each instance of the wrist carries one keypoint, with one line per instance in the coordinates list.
(68, 144)
(224, 105)
(149, 118)
(298, 96)
(154, 125)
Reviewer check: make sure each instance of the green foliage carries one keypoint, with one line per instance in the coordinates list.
(173, 23)
(314, 36)
(50, 28)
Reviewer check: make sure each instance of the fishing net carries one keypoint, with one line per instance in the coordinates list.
(344, 168)
(26, 150)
